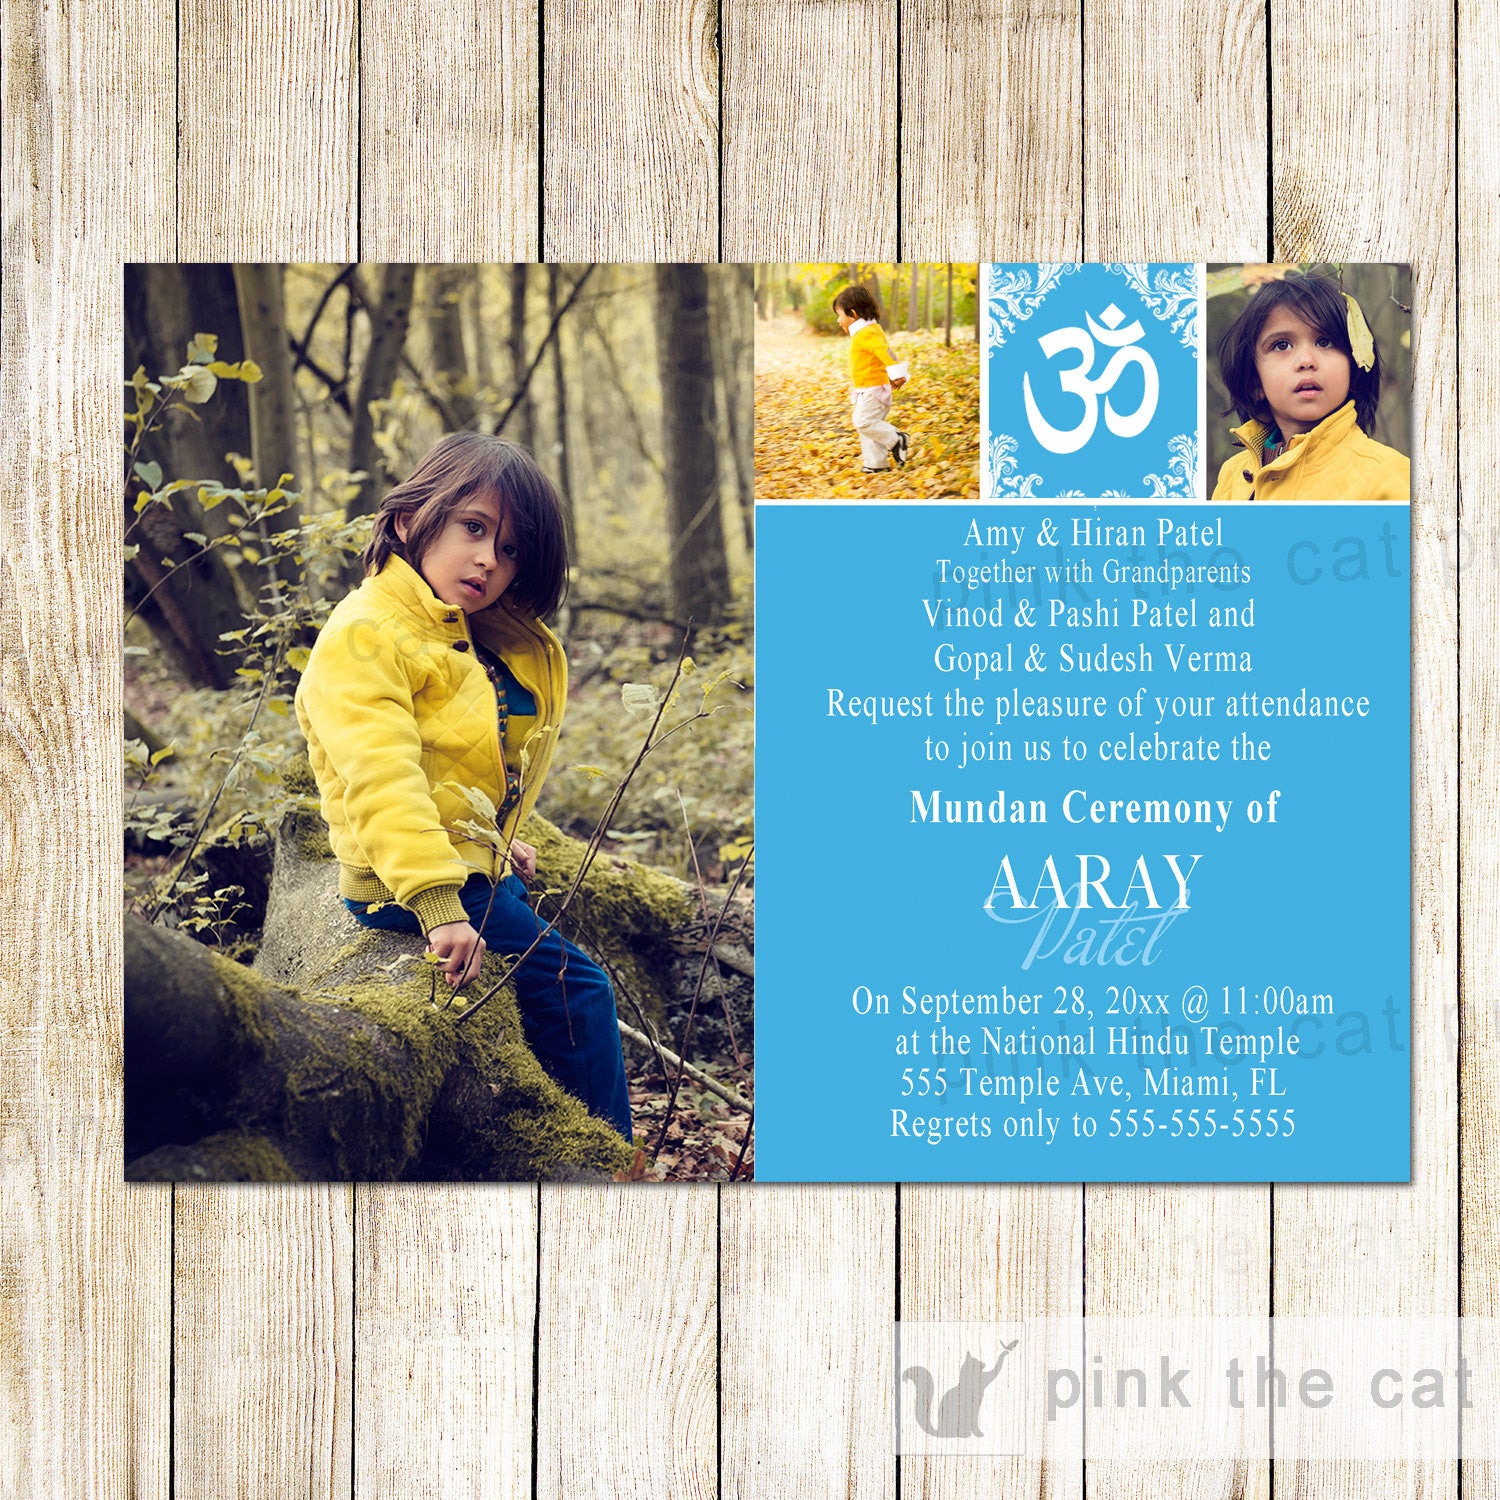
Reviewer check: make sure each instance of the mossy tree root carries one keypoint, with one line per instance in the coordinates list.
(232, 1077)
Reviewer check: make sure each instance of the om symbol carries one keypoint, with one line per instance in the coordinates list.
(1077, 381)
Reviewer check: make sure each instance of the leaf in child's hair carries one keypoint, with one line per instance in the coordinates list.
(202, 349)
(1361, 342)
(640, 699)
(149, 474)
(199, 385)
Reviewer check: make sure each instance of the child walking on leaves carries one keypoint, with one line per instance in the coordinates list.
(873, 375)
(435, 677)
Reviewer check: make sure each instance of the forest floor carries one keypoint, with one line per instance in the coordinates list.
(805, 447)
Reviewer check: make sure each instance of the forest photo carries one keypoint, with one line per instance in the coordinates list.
(368, 936)
(866, 381)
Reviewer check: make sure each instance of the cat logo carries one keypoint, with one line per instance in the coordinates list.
(957, 1415)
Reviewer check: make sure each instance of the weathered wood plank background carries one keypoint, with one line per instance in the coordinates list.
(335, 1342)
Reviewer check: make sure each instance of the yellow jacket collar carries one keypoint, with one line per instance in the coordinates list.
(400, 583)
(500, 628)
(1334, 428)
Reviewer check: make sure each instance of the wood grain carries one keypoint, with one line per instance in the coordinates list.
(991, 153)
(85, 1269)
(627, 1344)
(450, 131)
(264, 1278)
(630, 146)
(991, 1254)
(1476, 551)
(444, 1325)
(1163, 177)
(268, 103)
(991, 168)
(1349, 186)
(807, 1301)
(809, 143)
(262, 1358)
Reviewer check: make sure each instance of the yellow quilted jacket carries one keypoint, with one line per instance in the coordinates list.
(394, 704)
(1335, 461)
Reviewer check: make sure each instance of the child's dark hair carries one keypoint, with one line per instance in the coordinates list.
(858, 302)
(463, 464)
(1319, 301)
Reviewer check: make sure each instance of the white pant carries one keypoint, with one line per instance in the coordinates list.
(872, 405)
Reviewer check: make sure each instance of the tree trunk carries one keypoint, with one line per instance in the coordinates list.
(699, 572)
(479, 339)
(189, 606)
(733, 351)
(524, 426)
(186, 608)
(927, 318)
(164, 307)
(911, 312)
(273, 415)
(560, 415)
(948, 311)
(442, 307)
(389, 319)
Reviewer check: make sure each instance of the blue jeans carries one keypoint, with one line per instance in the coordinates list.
(567, 1005)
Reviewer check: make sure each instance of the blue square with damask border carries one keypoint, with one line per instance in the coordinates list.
(1091, 381)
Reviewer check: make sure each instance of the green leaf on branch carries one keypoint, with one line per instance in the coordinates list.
(202, 349)
(149, 474)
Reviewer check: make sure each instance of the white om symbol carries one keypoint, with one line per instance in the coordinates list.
(1076, 381)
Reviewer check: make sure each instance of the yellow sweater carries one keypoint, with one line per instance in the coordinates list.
(869, 354)
(399, 717)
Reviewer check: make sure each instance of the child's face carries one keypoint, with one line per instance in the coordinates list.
(1303, 374)
(845, 318)
(473, 559)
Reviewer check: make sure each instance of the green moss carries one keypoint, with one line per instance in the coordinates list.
(365, 1094)
(297, 777)
(245, 1158)
(364, 943)
(242, 990)
(311, 836)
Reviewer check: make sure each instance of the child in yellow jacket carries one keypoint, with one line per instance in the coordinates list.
(872, 376)
(437, 677)
(1307, 397)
